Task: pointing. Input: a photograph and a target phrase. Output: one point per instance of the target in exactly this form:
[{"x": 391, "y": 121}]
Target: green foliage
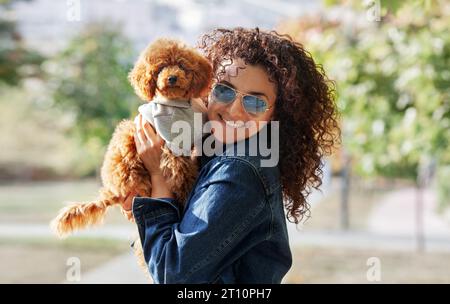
[
  {"x": 89, "y": 80},
  {"x": 387, "y": 6},
  {"x": 393, "y": 87},
  {"x": 7, "y": 3},
  {"x": 16, "y": 61}
]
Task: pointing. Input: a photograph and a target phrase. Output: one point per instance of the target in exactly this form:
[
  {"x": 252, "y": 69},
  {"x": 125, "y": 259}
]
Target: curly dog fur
[{"x": 122, "y": 171}]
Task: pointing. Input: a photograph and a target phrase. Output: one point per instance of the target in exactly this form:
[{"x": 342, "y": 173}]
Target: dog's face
[
  {"x": 174, "y": 81},
  {"x": 171, "y": 69}
]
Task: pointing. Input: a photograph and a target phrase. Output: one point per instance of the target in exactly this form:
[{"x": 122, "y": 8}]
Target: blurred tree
[
  {"x": 89, "y": 79},
  {"x": 386, "y": 6},
  {"x": 16, "y": 61}
]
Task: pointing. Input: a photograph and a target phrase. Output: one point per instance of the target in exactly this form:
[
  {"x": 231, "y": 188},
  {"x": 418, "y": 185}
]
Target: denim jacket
[{"x": 231, "y": 230}]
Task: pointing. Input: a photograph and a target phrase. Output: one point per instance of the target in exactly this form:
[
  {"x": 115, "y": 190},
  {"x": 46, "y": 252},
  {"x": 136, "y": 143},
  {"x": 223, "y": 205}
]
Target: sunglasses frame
[{"x": 242, "y": 98}]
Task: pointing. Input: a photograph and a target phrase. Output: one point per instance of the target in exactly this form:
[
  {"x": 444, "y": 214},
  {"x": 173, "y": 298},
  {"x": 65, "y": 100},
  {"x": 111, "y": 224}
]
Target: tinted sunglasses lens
[
  {"x": 223, "y": 93},
  {"x": 254, "y": 104}
]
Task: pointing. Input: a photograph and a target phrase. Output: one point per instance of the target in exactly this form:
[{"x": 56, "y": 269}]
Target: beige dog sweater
[{"x": 174, "y": 121}]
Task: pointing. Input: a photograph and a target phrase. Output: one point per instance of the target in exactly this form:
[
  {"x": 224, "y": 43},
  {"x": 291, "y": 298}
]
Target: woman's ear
[
  {"x": 142, "y": 80},
  {"x": 201, "y": 80}
]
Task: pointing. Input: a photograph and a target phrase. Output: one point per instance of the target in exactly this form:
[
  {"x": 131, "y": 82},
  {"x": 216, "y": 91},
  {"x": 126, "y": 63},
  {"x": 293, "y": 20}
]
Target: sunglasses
[{"x": 252, "y": 104}]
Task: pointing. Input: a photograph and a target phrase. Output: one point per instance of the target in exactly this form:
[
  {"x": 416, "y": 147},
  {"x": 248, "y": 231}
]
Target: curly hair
[{"x": 305, "y": 105}]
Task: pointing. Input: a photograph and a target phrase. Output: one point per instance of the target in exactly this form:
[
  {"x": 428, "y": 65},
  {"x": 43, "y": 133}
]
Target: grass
[
  {"x": 39, "y": 202},
  {"x": 44, "y": 260},
  {"x": 343, "y": 265}
]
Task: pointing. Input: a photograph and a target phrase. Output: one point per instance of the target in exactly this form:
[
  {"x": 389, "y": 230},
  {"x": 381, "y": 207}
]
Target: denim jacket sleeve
[{"x": 222, "y": 210}]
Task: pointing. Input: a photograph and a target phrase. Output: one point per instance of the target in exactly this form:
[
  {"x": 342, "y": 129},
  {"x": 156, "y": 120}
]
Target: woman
[{"x": 232, "y": 229}]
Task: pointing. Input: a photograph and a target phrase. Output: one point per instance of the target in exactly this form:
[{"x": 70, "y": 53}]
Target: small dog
[{"x": 171, "y": 77}]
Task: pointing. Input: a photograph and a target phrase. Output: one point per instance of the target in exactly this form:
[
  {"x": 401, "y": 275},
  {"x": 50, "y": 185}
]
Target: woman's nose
[{"x": 237, "y": 110}]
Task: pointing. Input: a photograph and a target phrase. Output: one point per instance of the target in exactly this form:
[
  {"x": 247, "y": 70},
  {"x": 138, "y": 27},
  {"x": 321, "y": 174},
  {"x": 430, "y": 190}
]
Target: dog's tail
[{"x": 81, "y": 215}]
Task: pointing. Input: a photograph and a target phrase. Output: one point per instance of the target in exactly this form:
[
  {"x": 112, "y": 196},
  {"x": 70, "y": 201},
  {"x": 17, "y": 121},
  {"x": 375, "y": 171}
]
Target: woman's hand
[{"x": 148, "y": 146}]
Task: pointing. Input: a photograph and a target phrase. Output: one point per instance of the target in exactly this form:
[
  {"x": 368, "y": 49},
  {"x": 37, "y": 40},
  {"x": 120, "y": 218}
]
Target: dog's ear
[
  {"x": 202, "y": 76},
  {"x": 142, "y": 80}
]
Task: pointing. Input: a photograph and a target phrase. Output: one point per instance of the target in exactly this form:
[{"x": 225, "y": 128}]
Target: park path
[
  {"x": 122, "y": 269},
  {"x": 396, "y": 215},
  {"x": 23, "y": 230}
]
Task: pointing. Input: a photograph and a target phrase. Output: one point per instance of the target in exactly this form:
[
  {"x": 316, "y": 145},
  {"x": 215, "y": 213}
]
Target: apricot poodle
[{"x": 171, "y": 77}]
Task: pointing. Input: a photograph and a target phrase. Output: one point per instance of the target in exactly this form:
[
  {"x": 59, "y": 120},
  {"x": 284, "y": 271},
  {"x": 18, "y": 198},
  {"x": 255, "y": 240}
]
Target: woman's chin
[{"x": 227, "y": 135}]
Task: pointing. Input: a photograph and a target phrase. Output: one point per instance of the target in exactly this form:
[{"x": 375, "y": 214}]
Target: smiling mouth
[{"x": 233, "y": 124}]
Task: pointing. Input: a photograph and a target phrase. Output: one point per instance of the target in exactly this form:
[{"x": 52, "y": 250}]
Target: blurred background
[{"x": 383, "y": 215}]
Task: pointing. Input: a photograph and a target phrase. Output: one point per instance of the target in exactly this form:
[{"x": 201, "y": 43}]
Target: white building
[{"x": 47, "y": 24}]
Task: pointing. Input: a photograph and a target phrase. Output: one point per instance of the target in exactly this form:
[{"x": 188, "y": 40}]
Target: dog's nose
[{"x": 172, "y": 79}]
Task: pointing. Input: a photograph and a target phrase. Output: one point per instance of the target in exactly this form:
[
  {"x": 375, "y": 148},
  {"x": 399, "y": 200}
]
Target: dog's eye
[
  {"x": 160, "y": 69},
  {"x": 183, "y": 65}
]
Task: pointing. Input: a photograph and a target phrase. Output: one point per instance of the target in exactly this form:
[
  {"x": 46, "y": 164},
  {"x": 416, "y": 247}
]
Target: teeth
[{"x": 234, "y": 124}]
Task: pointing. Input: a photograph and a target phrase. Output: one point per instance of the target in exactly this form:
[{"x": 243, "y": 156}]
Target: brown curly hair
[{"x": 305, "y": 105}]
